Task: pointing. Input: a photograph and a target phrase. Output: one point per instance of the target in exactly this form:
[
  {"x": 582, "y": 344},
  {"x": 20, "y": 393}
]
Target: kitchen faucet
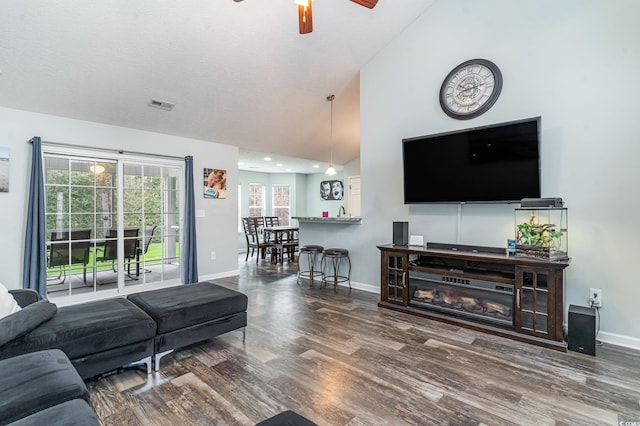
[{"x": 341, "y": 211}]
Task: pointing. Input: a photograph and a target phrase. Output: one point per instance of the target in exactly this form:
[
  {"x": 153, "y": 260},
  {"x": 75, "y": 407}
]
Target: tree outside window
[
  {"x": 256, "y": 200},
  {"x": 281, "y": 203}
]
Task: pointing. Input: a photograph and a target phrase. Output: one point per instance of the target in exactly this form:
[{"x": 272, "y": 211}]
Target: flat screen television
[{"x": 499, "y": 163}]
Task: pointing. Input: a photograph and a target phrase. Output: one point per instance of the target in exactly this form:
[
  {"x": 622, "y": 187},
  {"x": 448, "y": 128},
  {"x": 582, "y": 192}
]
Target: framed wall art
[
  {"x": 331, "y": 190},
  {"x": 215, "y": 183}
]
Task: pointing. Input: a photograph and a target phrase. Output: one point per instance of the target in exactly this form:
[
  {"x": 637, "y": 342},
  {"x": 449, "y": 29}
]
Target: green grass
[{"x": 152, "y": 257}]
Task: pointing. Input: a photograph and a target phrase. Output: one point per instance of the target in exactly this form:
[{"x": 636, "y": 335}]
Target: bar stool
[
  {"x": 310, "y": 252},
  {"x": 335, "y": 256}
]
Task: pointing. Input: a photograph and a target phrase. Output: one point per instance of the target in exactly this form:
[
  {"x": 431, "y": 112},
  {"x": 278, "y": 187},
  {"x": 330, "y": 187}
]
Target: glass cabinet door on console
[
  {"x": 536, "y": 301},
  {"x": 394, "y": 277}
]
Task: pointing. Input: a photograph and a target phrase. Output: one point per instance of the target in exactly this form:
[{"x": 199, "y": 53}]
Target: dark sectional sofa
[
  {"x": 46, "y": 352},
  {"x": 102, "y": 336},
  {"x": 43, "y": 388}
]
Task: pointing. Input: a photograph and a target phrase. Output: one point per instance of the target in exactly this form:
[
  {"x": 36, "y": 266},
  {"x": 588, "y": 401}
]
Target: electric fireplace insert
[{"x": 474, "y": 299}]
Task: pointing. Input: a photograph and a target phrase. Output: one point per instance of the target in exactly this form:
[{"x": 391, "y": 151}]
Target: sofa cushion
[
  {"x": 71, "y": 413},
  {"x": 179, "y": 307},
  {"x": 36, "y": 381},
  {"x": 8, "y": 304},
  {"x": 20, "y": 323},
  {"x": 87, "y": 328}
]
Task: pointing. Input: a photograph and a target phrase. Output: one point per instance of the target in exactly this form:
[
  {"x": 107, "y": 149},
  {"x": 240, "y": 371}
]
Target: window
[
  {"x": 239, "y": 208},
  {"x": 111, "y": 221},
  {"x": 256, "y": 200},
  {"x": 281, "y": 203}
]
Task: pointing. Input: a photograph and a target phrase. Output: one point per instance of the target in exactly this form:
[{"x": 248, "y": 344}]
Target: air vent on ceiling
[{"x": 168, "y": 106}]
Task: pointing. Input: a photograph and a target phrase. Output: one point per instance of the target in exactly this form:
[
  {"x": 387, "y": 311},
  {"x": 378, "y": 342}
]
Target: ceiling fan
[{"x": 305, "y": 20}]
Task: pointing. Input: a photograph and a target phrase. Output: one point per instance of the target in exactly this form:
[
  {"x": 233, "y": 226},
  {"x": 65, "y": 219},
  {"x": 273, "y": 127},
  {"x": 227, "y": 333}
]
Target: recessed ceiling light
[
  {"x": 267, "y": 158},
  {"x": 288, "y": 170},
  {"x": 316, "y": 166},
  {"x": 279, "y": 164},
  {"x": 240, "y": 163}
]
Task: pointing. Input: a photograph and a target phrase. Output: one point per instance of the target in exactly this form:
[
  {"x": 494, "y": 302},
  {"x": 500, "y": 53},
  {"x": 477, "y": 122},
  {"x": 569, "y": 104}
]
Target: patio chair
[
  {"x": 145, "y": 242},
  {"x": 131, "y": 243},
  {"x": 71, "y": 248}
]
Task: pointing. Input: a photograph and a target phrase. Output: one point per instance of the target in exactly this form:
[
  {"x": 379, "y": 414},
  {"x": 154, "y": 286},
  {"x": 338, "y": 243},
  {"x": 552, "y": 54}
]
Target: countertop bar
[{"x": 318, "y": 219}]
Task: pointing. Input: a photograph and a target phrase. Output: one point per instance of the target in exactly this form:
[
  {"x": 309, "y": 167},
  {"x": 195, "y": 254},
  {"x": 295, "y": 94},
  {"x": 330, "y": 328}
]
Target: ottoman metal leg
[
  {"x": 156, "y": 359},
  {"x": 146, "y": 361}
]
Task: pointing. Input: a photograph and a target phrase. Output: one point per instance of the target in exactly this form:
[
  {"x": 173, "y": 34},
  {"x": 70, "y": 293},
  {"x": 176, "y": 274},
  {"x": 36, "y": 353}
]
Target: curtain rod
[{"x": 115, "y": 151}]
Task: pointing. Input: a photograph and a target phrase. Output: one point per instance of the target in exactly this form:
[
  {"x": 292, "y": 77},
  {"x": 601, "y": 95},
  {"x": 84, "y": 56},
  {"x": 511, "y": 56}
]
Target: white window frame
[{"x": 120, "y": 158}]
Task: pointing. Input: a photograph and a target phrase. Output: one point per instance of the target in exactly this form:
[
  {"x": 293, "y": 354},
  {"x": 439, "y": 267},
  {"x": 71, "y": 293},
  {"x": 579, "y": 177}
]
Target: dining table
[{"x": 283, "y": 239}]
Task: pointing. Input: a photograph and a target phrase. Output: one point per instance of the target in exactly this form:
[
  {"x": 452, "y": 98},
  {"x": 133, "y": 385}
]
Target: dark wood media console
[{"x": 478, "y": 288}]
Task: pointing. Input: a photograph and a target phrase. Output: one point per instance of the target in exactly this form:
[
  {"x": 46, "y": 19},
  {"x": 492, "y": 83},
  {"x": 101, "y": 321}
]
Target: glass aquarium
[{"x": 542, "y": 233}]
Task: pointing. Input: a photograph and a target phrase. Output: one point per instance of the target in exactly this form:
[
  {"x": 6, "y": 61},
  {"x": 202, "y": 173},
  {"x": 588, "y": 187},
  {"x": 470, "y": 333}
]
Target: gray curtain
[
  {"x": 34, "y": 269},
  {"x": 189, "y": 250}
]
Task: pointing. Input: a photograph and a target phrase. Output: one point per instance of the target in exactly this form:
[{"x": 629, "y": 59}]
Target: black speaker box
[
  {"x": 400, "y": 233},
  {"x": 582, "y": 329}
]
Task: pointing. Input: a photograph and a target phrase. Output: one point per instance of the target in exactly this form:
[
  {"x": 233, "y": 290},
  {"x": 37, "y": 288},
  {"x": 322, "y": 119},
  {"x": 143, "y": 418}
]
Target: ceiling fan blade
[
  {"x": 305, "y": 21},
  {"x": 366, "y": 3}
]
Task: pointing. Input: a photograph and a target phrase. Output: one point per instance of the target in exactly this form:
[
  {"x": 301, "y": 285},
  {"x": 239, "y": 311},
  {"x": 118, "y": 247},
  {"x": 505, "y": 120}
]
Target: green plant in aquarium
[{"x": 538, "y": 234}]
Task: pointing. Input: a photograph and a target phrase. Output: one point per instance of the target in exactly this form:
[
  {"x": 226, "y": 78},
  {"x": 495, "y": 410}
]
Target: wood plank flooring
[{"x": 338, "y": 359}]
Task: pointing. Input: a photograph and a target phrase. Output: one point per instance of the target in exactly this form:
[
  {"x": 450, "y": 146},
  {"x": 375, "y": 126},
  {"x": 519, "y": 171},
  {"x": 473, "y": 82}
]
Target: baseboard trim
[
  {"x": 619, "y": 340},
  {"x": 225, "y": 274},
  {"x": 361, "y": 286}
]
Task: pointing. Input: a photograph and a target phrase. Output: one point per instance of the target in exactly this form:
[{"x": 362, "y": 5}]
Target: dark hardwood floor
[{"x": 338, "y": 359}]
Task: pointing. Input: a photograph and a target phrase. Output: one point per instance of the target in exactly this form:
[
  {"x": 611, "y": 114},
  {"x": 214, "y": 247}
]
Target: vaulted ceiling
[{"x": 238, "y": 73}]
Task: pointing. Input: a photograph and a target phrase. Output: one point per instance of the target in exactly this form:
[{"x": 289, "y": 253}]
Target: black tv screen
[{"x": 499, "y": 163}]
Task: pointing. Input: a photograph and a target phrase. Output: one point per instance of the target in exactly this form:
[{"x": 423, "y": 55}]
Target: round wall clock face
[{"x": 470, "y": 89}]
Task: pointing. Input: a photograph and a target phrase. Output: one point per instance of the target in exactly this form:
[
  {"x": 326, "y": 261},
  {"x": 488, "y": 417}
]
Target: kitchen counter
[{"x": 319, "y": 219}]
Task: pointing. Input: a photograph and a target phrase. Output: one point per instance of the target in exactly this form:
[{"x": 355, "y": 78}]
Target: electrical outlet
[
  {"x": 595, "y": 297},
  {"x": 213, "y": 255}
]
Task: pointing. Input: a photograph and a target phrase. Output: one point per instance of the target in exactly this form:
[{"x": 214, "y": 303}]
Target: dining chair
[
  {"x": 271, "y": 221},
  {"x": 255, "y": 237}
]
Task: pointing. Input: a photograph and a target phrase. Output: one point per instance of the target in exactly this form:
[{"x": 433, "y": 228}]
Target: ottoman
[
  {"x": 36, "y": 381},
  {"x": 191, "y": 313}
]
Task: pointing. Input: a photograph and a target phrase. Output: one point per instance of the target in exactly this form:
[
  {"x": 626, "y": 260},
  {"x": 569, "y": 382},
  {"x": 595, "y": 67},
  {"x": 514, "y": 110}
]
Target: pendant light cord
[{"x": 330, "y": 98}]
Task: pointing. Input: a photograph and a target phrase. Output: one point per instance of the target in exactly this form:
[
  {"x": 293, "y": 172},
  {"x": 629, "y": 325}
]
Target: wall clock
[{"x": 470, "y": 89}]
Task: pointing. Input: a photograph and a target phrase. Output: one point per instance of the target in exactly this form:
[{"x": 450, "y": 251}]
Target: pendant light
[{"x": 331, "y": 170}]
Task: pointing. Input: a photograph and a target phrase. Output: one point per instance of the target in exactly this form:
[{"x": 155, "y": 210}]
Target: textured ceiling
[{"x": 238, "y": 73}]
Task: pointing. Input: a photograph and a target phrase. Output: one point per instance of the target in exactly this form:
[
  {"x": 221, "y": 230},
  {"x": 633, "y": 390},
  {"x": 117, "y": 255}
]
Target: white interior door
[{"x": 354, "y": 196}]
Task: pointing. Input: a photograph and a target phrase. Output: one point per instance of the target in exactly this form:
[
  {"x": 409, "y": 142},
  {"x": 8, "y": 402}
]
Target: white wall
[
  {"x": 573, "y": 62},
  {"x": 18, "y": 127}
]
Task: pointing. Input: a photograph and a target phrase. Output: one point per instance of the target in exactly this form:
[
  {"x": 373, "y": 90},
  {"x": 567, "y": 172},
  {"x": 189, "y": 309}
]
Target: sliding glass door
[{"x": 112, "y": 222}]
